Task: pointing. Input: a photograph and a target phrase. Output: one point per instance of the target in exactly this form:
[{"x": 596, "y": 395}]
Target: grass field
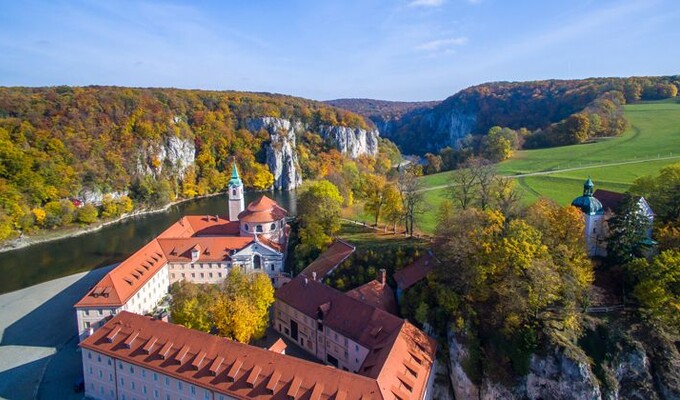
[{"x": 654, "y": 134}]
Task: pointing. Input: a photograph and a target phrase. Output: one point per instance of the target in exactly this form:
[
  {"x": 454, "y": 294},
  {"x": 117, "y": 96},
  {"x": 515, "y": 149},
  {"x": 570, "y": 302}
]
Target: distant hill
[{"x": 539, "y": 106}]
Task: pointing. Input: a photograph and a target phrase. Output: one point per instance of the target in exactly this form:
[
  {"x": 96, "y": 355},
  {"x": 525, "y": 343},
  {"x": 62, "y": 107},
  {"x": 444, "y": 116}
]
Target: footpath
[{"x": 39, "y": 357}]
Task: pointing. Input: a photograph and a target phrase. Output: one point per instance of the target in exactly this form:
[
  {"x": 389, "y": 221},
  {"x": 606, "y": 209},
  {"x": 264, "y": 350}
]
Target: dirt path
[{"x": 557, "y": 171}]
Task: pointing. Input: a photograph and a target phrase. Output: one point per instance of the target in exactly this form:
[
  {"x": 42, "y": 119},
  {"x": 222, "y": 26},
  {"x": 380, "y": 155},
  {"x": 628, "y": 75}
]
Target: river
[{"x": 50, "y": 260}]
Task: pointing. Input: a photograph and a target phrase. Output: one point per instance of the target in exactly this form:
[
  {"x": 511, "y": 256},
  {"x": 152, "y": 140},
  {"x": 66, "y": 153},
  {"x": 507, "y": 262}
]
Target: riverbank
[
  {"x": 39, "y": 357},
  {"x": 74, "y": 231}
]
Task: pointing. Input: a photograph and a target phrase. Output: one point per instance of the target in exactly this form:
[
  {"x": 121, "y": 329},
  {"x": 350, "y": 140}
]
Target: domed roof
[
  {"x": 263, "y": 209},
  {"x": 587, "y": 203}
]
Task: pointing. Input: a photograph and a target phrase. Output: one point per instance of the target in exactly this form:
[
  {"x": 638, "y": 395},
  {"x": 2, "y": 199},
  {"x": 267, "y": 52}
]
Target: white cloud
[
  {"x": 426, "y": 3},
  {"x": 442, "y": 44}
]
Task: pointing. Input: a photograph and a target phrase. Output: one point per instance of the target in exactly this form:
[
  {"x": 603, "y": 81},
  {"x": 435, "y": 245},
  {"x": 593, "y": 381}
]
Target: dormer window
[{"x": 194, "y": 254}]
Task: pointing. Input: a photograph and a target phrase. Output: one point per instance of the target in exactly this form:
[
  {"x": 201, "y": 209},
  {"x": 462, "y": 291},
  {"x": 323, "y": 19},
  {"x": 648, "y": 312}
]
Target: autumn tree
[
  {"x": 662, "y": 192},
  {"x": 87, "y": 214},
  {"x": 375, "y": 196},
  {"x": 657, "y": 287},
  {"x": 412, "y": 198},
  {"x": 319, "y": 208},
  {"x": 241, "y": 308},
  {"x": 190, "y": 305}
]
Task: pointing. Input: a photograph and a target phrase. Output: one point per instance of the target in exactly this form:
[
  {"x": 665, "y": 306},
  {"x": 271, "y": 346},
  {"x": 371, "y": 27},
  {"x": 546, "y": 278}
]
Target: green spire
[
  {"x": 235, "y": 179},
  {"x": 588, "y": 187}
]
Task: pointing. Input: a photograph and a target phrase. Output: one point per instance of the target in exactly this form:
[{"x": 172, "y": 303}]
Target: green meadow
[{"x": 651, "y": 142}]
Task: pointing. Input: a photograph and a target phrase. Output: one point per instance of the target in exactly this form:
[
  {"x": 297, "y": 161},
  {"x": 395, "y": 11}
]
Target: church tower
[
  {"x": 593, "y": 213},
  {"x": 236, "y": 201}
]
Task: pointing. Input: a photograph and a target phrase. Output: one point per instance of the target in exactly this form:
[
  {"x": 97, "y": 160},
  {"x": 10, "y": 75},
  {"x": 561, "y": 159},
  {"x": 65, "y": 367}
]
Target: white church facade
[{"x": 197, "y": 248}]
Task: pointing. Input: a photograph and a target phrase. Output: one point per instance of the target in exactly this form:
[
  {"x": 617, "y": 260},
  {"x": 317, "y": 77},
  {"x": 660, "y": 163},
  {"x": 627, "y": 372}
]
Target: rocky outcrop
[
  {"x": 96, "y": 196},
  {"x": 463, "y": 388},
  {"x": 558, "y": 376},
  {"x": 352, "y": 142},
  {"x": 281, "y": 155},
  {"x": 174, "y": 153}
]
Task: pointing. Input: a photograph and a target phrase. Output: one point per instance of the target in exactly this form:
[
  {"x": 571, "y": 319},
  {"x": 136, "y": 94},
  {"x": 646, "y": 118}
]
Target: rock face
[
  {"x": 352, "y": 142},
  {"x": 636, "y": 372},
  {"x": 556, "y": 376},
  {"x": 282, "y": 158},
  {"x": 281, "y": 154},
  {"x": 174, "y": 153}
]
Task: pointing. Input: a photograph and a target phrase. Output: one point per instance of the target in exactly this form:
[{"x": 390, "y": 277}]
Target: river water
[{"x": 46, "y": 261}]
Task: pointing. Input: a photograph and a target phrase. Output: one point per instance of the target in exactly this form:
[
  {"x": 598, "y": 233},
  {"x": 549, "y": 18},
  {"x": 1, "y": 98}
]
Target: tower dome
[{"x": 587, "y": 203}]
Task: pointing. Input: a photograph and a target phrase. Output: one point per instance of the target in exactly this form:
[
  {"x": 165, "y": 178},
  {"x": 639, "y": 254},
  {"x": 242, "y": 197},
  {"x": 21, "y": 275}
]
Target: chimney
[
  {"x": 382, "y": 276},
  {"x": 313, "y": 275}
]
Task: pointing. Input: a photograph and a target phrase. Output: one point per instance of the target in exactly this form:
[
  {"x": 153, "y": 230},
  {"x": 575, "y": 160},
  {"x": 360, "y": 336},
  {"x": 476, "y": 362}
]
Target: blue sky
[{"x": 324, "y": 49}]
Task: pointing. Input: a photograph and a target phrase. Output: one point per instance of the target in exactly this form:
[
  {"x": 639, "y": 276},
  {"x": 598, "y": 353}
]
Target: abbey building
[{"x": 197, "y": 248}]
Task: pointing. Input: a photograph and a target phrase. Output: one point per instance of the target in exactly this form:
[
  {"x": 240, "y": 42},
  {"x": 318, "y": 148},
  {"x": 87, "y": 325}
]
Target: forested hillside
[
  {"x": 115, "y": 148},
  {"x": 554, "y": 112}
]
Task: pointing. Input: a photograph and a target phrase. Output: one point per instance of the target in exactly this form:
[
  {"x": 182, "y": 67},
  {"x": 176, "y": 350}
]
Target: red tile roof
[
  {"x": 263, "y": 209},
  {"x": 376, "y": 294},
  {"x": 609, "y": 200},
  {"x": 336, "y": 253},
  {"x": 122, "y": 282},
  {"x": 211, "y": 248},
  {"x": 228, "y": 367},
  {"x": 392, "y": 341},
  {"x": 415, "y": 272}
]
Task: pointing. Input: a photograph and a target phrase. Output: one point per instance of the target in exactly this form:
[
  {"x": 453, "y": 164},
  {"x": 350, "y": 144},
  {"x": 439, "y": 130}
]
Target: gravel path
[{"x": 38, "y": 344}]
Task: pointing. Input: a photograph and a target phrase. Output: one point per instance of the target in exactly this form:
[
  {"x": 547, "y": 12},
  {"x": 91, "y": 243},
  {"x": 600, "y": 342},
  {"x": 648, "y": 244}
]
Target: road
[
  {"x": 557, "y": 171},
  {"x": 38, "y": 343}
]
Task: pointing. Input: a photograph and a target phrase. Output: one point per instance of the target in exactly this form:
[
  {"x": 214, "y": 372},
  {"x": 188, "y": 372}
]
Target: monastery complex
[{"x": 365, "y": 351}]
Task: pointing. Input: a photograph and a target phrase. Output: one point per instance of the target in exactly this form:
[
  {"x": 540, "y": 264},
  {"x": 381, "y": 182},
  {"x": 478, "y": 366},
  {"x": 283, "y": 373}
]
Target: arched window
[
  {"x": 233, "y": 192},
  {"x": 273, "y": 227},
  {"x": 259, "y": 228},
  {"x": 246, "y": 226},
  {"x": 257, "y": 261}
]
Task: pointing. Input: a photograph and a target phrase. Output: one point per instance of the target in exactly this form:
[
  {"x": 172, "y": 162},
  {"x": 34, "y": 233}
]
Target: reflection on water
[{"x": 43, "y": 262}]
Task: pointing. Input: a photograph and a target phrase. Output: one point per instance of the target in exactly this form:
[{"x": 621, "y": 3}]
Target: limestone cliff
[
  {"x": 623, "y": 363},
  {"x": 173, "y": 154},
  {"x": 280, "y": 151},
  {"x": 352, "y": 142}
]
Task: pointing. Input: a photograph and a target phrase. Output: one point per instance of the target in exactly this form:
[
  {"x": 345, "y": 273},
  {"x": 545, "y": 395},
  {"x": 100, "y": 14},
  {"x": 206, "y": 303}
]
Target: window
[
  {"x": 155, "y": 393},
  {"x": 132, "y": 370},
  {"x": 179, "y": 385},
  {"x": 210, "y": 274},
  {"x": 101, "y": 374},
  {"x": 233, "y": 192},
  {"x": 202, "y": 274},
  {"x": 272, "y": 267},
  {"x": 89, "y": 355},
  {"x": 356, "y": 347},
  {"x": 120, "y": 365},
  {"x": 143, "y": 373},
  {"x": 167, "y": 381},
  {"x": 257, "y": 261},
  {"x": 87, "y": 313},
  {"x": 155, "y": 377},
  {"x": 123, "y": 397},
  {"x": 108, "y": 361},
  {"x": 258, "y": 228},
  {"x": 193, "y": 389},
  {"x": 246, "y": 226},
  {"x": 110, "y": 377},
  {"x": 132, "y": 385},
  {"x": 100, "y": 312},
  {"x": 87, "y": 326},
  {"x": 272, "y": 227},
  {"x": 144, "y": 389},
  {"x": 90, "y": 370},
  {"x": 122, "y": 381}
]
